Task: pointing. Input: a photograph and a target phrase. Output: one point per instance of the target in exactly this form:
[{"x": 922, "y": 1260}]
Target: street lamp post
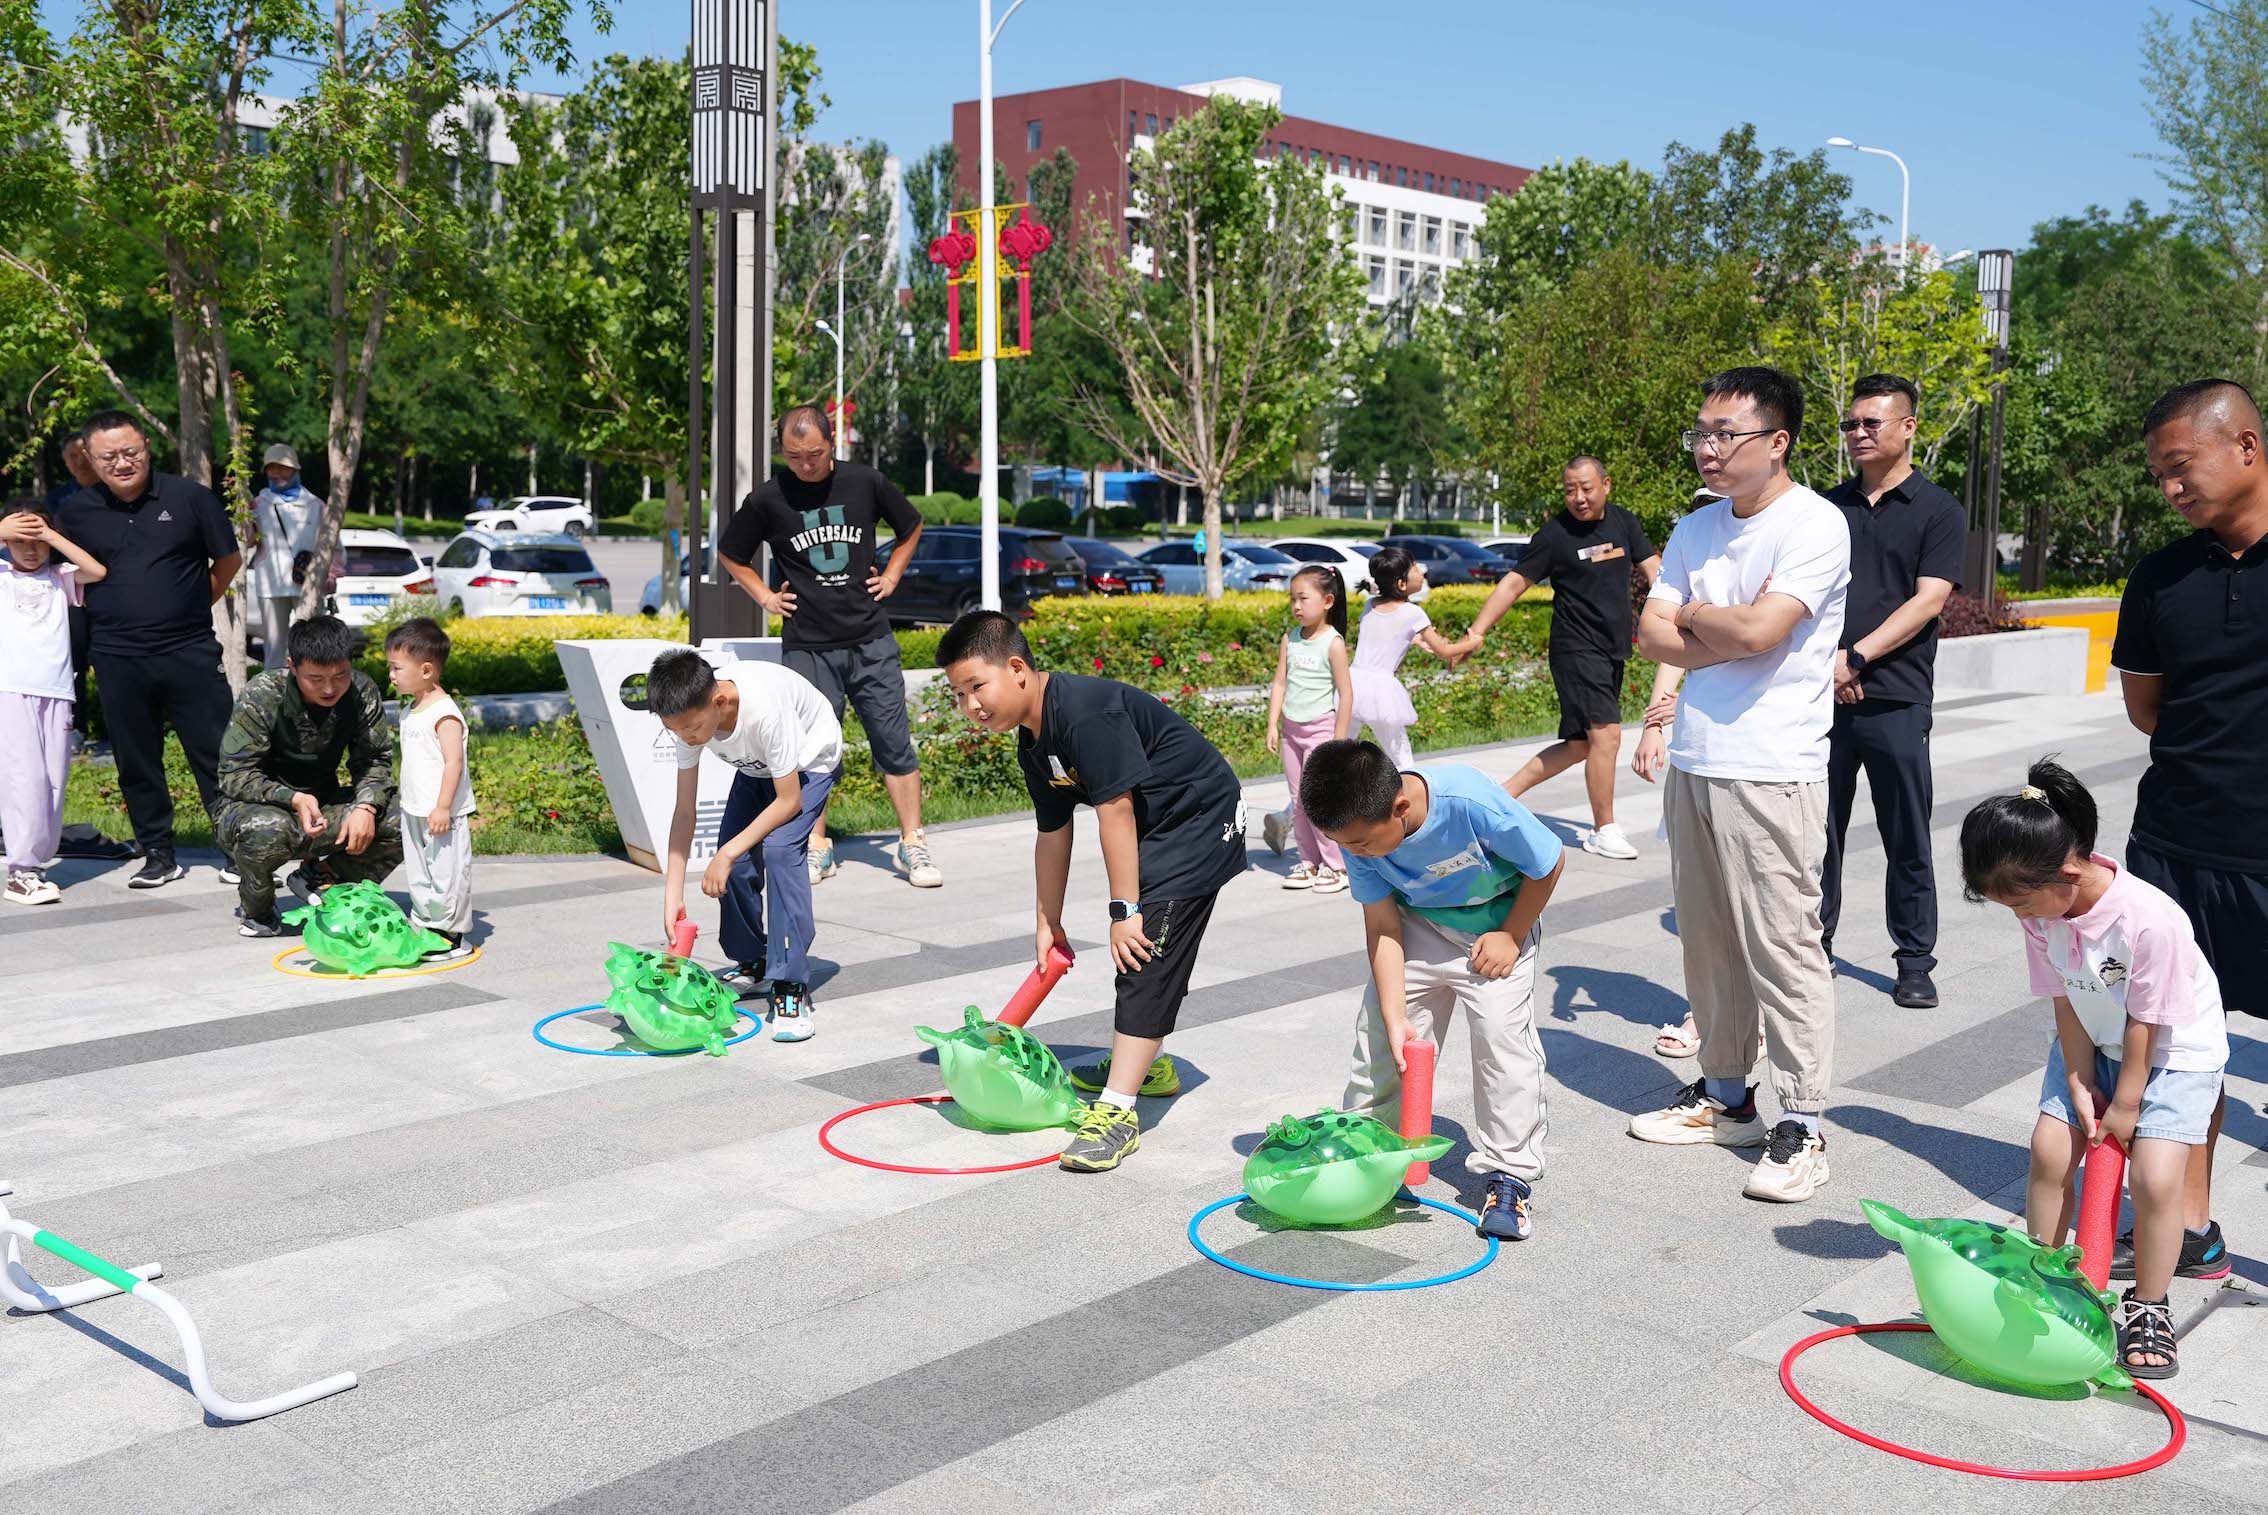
[
  {"x": 842, "y": 431},
  {"x": 1905, "y": 190},
  {"x": 988, "y": 313}
]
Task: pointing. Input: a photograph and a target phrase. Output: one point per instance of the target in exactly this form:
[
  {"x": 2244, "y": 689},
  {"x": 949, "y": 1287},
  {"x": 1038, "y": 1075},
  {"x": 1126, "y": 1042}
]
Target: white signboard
[{"x": 637, "y": 757}]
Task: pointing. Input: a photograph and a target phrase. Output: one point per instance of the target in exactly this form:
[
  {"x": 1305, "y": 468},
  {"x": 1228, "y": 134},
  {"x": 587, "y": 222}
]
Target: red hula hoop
[
  {"x": 2159, "y": 1458},
  {"x": 919, "y": 1099}
]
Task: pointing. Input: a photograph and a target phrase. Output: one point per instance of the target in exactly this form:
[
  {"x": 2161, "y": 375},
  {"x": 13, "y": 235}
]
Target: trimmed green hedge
[{"x": 516, "y": 654}]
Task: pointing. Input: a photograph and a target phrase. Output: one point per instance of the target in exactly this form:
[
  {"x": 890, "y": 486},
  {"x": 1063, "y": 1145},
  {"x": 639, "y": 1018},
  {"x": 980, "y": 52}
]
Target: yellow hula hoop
[{"x": 348, "y": 978}]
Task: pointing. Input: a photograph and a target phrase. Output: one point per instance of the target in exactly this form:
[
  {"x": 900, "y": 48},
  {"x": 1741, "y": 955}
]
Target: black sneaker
[
  {"x": 1105, "y": 1136},
  {"x": 270, "y": 924},
  {"x": 457, "y": 948},
  {"x": 309, "y": 880},
  {"x": 2203, "y": 1255},
  {"x": 1504, "y": 1209},
  {"x": 158, "y": 870},
  {"x": 1914, "y": 991}
]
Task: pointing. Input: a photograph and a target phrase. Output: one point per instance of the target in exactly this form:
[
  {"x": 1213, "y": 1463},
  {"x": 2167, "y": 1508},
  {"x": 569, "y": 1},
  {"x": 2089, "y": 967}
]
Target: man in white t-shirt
[
  {"x": 1750, "y": 602},
  {"x": 781, "y": 734}
]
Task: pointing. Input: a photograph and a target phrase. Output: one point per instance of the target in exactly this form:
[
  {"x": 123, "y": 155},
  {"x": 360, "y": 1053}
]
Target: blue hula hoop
[
  {"x": 624, "y": 1051},
  {"x": 1466, "y": 1271}
]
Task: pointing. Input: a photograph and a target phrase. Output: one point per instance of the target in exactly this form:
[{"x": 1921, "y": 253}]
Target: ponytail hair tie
[{"x": 2033, "y": 792}]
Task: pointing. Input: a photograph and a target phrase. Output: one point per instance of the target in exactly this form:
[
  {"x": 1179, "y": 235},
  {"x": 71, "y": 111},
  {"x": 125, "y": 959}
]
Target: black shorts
[
  {"x": 874, "y": 680},
  {"x": 1149, "y": 1002},
  {"x": 1590, "y": 692},
  {"x": 2229, "y": 912}
]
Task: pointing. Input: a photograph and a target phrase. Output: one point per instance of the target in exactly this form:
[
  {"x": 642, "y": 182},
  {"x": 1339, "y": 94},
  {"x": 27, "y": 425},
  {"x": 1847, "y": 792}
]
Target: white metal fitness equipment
[{"x": 20, "y": 1289}]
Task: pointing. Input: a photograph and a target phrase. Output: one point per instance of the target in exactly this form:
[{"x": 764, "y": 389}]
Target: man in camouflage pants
[{"x": 279, "y": 777}]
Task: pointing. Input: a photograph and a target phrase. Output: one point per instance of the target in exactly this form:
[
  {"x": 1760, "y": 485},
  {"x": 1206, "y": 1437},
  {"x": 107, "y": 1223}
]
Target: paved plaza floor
[{"x": 593, "y": 1284}]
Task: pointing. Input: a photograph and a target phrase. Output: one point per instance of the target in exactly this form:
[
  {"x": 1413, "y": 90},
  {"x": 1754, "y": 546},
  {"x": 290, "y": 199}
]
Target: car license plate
[
  {"x": 366, "y": 599},
  {"x": 547, "y": 601},
  {"x": 1140, "y": 586},
  {"x": 1066, "y": 581}
]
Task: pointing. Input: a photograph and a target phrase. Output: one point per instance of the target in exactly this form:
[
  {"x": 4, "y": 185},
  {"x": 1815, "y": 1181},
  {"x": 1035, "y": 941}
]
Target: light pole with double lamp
[{"x": 842, "y": 432}]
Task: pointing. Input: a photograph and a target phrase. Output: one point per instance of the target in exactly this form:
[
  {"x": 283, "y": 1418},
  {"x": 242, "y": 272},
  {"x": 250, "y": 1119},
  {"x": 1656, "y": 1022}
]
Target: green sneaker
[
  {"x": 1105, "y": 1135},
  {"x": 1163, "y": 1079}
]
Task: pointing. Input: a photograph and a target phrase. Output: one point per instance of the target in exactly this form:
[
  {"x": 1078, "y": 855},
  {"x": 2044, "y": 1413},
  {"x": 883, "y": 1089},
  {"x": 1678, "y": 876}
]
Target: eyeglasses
[
  {"x": 1872, "y": 424},
  {"x": 1721, "y": 441},
  {"x": 123, "y": 455}
]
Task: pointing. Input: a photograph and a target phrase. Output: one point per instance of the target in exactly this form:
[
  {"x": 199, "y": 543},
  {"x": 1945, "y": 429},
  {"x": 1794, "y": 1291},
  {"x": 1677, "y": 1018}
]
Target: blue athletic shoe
[{"x": 1504, "y": 1211}]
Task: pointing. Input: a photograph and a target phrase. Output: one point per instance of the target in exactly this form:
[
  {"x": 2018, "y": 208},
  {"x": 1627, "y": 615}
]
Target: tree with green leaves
[
  {"x": 1399, "y": 425},
  {"x": 1225, "y": 327}
]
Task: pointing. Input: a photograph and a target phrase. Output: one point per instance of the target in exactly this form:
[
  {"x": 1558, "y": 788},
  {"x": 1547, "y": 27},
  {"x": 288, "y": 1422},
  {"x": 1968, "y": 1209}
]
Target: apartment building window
[
  {"x": 1376, "y": 268},
  {"x": 1402, "y": 178},
  {"x": 1377, "y": 226},
  {"x": 1031, "y": 136},
  {"x": 1433, "y": 236},
  {"x": 1371, "y": 172},
  {"x": 1405, "y": 231},
  {"x": 1455, "y": 188},
  {"x": 1346, "y": 166},
  {"x": 1403, "y": 278},
  {"x": 1460, "y": 239},
  {"x": 1133, "y": 127},
  {"x": 1150, "y": 123},
  {"x": 1429, "y": 286},
  {"x": 1429, "y": 181}
]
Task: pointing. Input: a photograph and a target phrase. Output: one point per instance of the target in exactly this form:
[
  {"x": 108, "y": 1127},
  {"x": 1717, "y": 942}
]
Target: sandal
[
  {"x": 1678, "y": 1041},
  {"x": 2146, "y": 1327}
]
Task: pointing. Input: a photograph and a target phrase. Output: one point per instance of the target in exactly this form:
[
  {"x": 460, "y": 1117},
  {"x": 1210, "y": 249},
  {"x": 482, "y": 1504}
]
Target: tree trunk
[
  {"x": 1212, "y": 541},
  {"x": 531, "y": 468},
  {"x": 673, "y": 521}
]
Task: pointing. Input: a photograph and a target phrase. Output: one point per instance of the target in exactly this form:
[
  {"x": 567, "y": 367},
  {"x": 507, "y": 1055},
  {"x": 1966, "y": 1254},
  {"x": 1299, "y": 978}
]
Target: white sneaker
[
  {"x": 1794, "y": 1165},
  {"x": 1302, "y": 876},
  {"x": 1694, "y": 1120},
  {"x": 1608, "y": 841},
  {"x": 28, "y": 886},
  {"x": 1275, "y": 830},
  {"x": 912, "y": 856},
  {"x": 820, "y": 865},
  {"x": 1329, "y": 882}
]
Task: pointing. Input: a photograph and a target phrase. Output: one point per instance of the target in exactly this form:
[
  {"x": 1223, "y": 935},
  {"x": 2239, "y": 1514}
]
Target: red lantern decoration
[{"x": 1016, "y": 243}]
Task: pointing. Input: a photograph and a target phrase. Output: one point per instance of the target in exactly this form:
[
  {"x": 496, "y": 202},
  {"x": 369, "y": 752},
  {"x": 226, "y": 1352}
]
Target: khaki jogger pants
[
  {"x": 1509, "y": 1114},
  {"x": 1744, "y": 871}
]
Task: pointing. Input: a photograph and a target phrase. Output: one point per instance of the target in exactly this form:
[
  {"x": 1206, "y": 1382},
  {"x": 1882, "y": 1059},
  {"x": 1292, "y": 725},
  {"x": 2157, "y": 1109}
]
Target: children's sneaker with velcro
[
  {"x": 1504, "y": 1209},
  {"x": 1693, "y": 1119},
  {"x": 1105, "y": 1136},
  {"x": 791, "y": 1012},
  {"x": 1793, "y": 1167},
  {"x": 1162, "y": 1079},
  {"x": 2203, "y": 1255}
]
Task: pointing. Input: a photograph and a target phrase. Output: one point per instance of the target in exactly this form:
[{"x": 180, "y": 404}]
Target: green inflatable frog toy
[
  {"x": 2006, "y": 1304},
  {"x": 1003, "y": 1076},
  {"x": 1332, "y": 1168},
  {"x": 670, "y": 1003},
  {"x": 358, "y": 929}
]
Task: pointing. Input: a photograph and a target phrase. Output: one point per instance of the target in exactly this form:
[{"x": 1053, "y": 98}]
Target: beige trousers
[
  {"x": 1509, "y": 1113},
  {"x": 1744, "y": 871}
]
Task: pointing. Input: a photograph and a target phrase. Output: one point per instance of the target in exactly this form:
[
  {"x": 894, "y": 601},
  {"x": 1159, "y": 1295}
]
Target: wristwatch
[
  {"x": 1854, "y": 660},
  {"x": 1123, "y": 909}
]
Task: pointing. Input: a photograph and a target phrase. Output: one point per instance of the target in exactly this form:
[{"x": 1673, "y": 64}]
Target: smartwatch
[
  {"x": 1122, "y": 909},
  {"x": 1855, "y": 660}
]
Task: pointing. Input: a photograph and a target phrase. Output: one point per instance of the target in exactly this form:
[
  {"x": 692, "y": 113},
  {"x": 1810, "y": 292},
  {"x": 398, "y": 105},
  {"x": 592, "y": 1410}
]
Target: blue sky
[{"x": 2006, "y": 111}]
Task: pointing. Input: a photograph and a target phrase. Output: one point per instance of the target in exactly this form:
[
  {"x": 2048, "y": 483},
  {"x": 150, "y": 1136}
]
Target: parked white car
[
  {"x": 536, "y": 513},
  {"x": 485, "y": 573},
  {"x": 376, "y": 568},
  {"x": 1350, "y": 556}
]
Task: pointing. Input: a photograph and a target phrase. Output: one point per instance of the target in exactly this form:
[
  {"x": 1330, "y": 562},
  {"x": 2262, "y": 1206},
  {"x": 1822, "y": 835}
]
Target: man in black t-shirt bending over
[
  {"x": 1170, "y": 815},
  {"x": 818, "y": 515},
  {"x": 1587, "y": 552}
]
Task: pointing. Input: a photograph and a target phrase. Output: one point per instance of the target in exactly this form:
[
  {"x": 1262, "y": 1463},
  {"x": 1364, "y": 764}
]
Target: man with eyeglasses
[
  {"x": 1906, "y": 538},
  {"x": 1750, "y": 603},
  {"x": 171, "y": 552}
]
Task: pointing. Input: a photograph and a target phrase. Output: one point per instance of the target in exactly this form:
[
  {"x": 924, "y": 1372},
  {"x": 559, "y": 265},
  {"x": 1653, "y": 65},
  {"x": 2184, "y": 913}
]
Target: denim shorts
[{"x": 2177, "y": 1103}]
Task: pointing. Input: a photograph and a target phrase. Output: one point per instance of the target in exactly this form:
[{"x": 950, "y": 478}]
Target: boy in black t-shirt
[
  {"x": 1171, "y": 814},
  {"x": 1587, "y": 551}
]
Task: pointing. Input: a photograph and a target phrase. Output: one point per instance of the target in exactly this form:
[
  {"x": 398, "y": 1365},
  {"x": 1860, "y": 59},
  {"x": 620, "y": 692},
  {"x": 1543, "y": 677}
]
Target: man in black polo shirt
[
  {"x": 171, "y": 554},
  {"x": 2192, "y": 661},
  {"x": 819, "y": 515},
  {"x": 1906, "y": 536},
  {"x": 1587, "y": 552}
]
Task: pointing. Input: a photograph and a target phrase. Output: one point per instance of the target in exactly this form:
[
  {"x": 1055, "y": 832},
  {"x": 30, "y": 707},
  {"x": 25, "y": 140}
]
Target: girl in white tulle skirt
[{"x": 1389, "y": 626}]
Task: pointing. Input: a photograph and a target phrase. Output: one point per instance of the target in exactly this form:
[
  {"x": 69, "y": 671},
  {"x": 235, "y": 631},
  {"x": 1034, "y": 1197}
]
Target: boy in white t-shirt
[
  {"x": 1750, "y": 602},
  {"x": 36, "y": 596},
  {"x": 778, "y": 730},
  {"x": 436, "y": 786},
  {"x": 2138, "y": 1030}
]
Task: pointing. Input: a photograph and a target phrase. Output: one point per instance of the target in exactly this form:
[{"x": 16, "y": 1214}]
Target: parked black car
[
  {"x": 943, "y": 581},
  {"x": 1453, "y": 560},
  {"x": 1111, "y": 569}
]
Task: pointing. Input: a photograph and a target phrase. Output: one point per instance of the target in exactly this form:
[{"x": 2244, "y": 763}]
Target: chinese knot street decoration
[{"x": 1018, "y": 242}]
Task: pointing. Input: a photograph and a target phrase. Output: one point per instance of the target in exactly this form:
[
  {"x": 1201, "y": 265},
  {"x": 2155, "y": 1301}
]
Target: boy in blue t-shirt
[{"x": 1453, "y": 875}]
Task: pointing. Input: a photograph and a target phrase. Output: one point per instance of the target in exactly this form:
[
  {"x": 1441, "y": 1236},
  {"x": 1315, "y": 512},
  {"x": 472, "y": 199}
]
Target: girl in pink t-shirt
[
  {"x": 2138, "y": 1029},
  {"x": 36, "y": 594}
]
